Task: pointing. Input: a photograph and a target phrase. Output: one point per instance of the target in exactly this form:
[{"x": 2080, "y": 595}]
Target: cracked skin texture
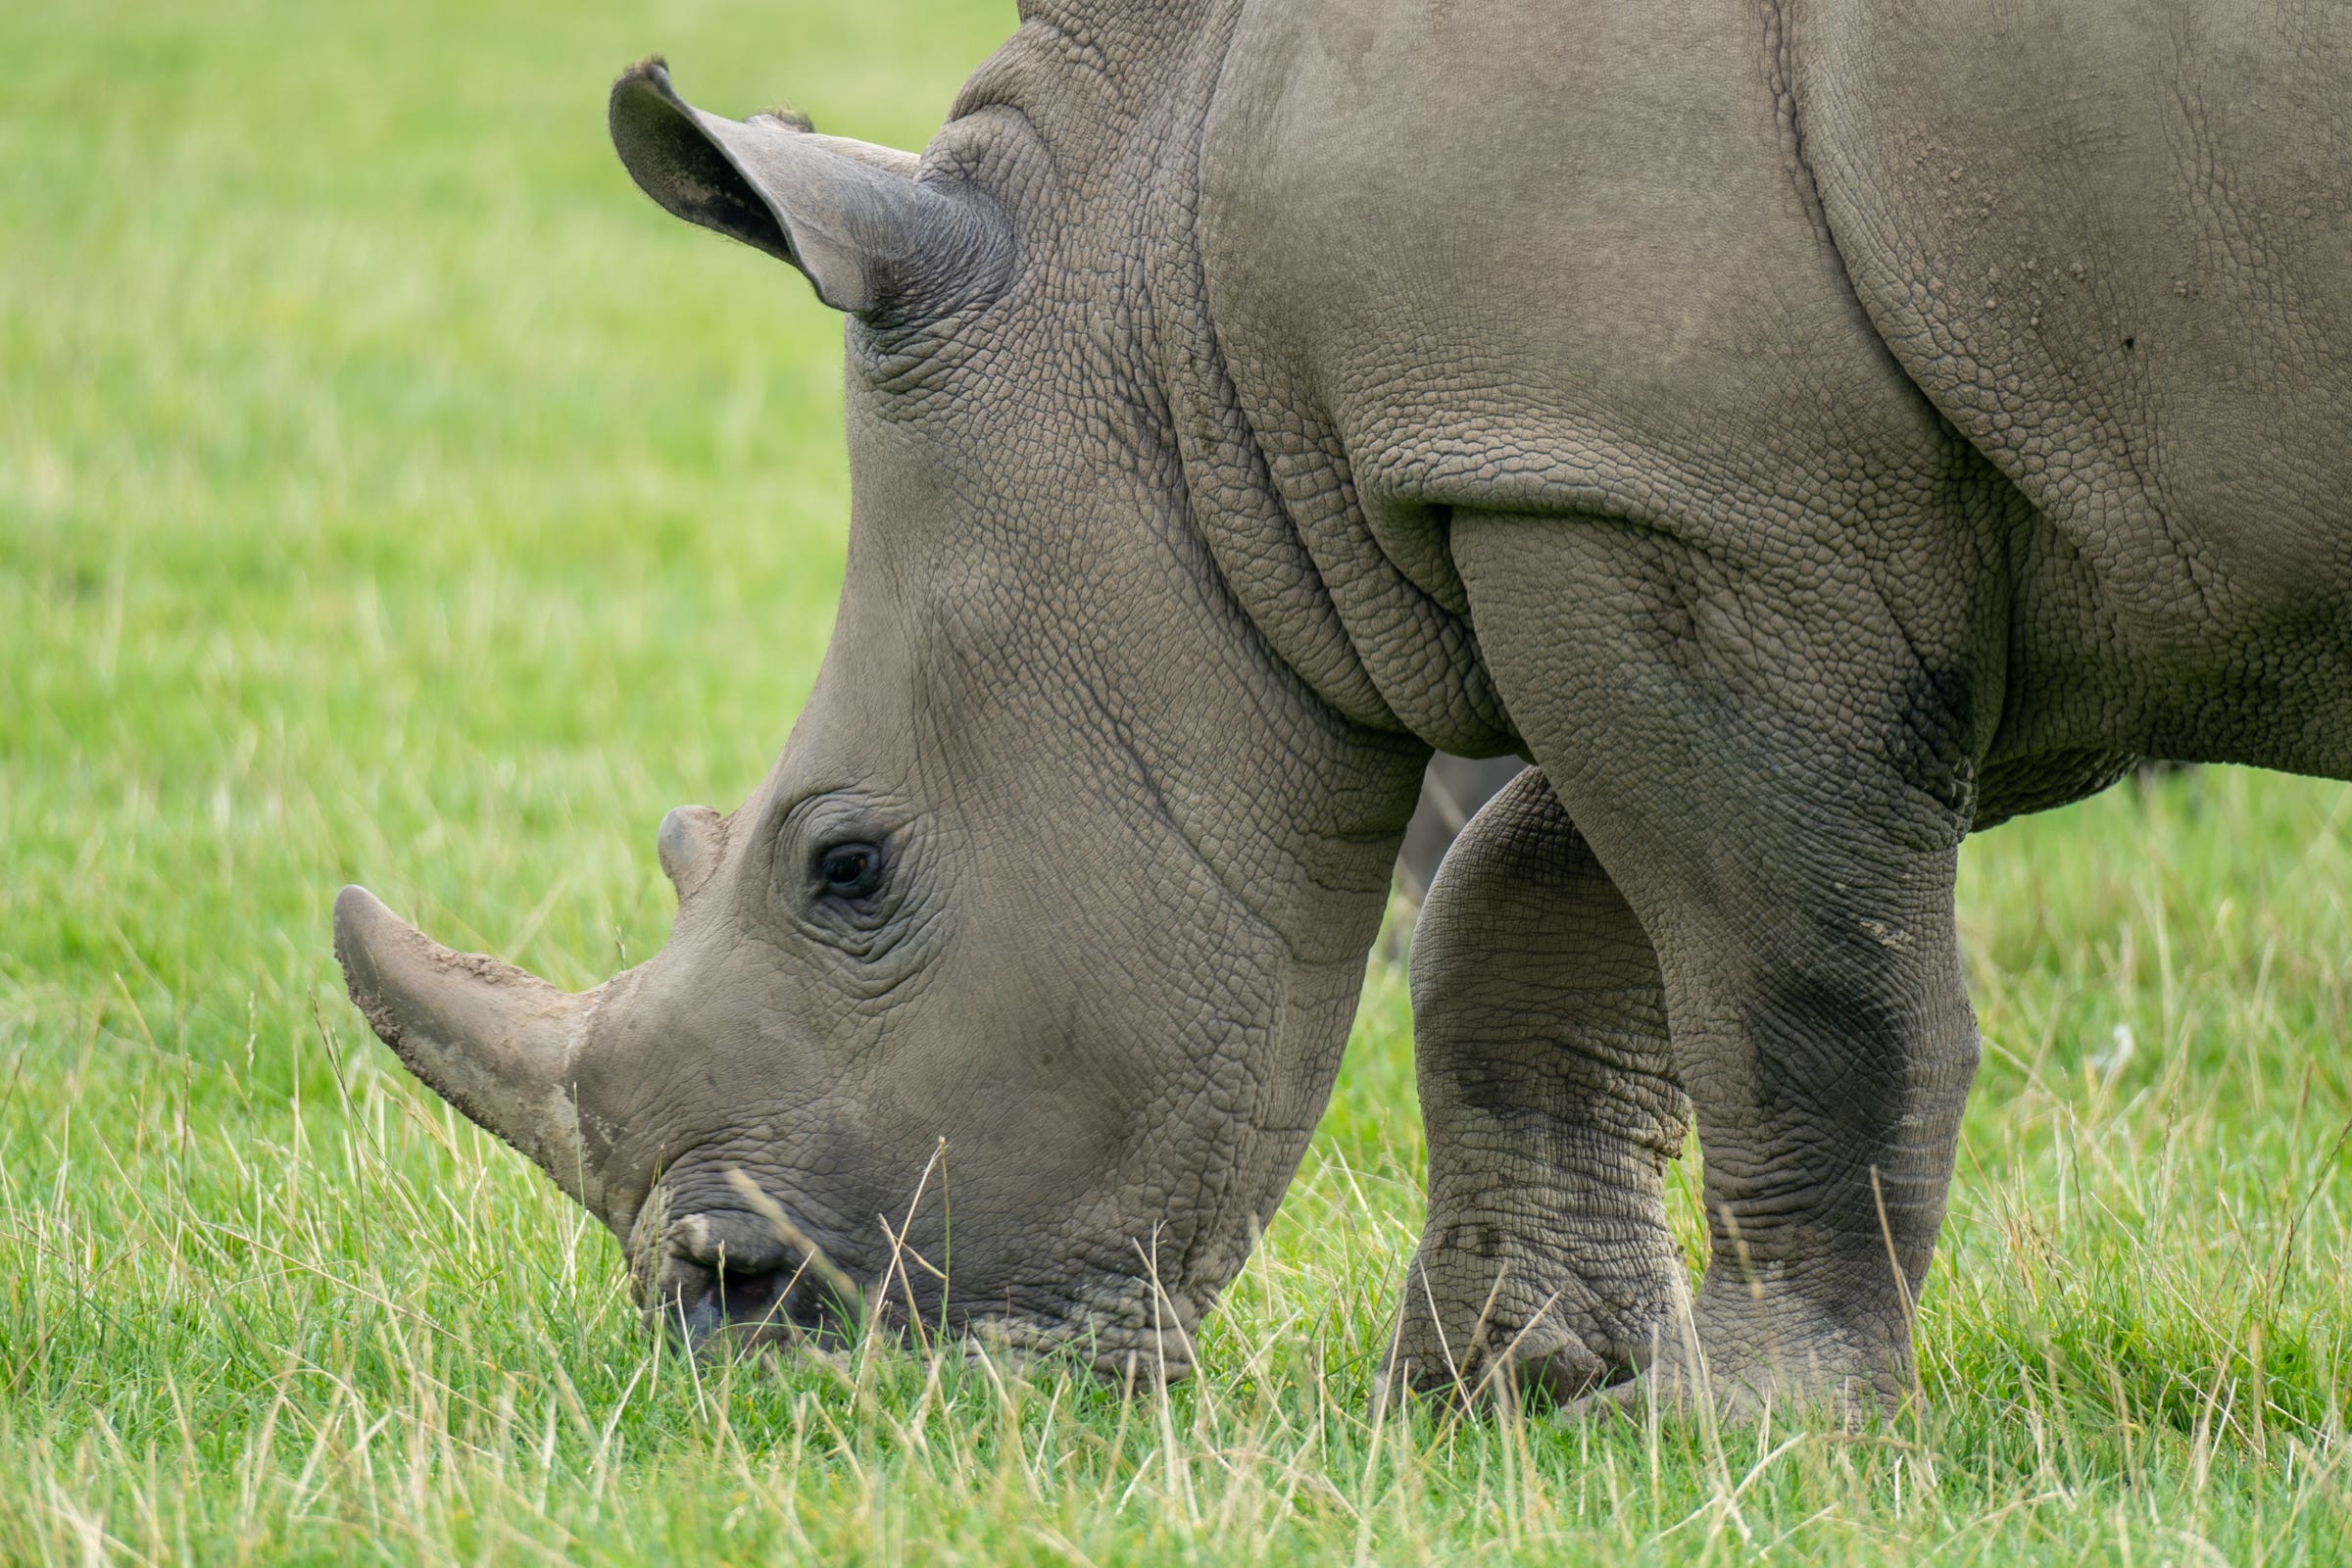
[{"x": 1808, "y": 431}]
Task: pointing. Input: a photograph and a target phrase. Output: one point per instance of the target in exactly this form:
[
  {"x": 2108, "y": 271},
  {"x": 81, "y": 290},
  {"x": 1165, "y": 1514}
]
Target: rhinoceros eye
[{"x": 849, "y": 870}]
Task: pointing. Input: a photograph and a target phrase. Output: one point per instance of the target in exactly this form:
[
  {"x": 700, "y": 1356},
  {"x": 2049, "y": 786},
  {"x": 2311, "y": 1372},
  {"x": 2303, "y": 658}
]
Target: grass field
[{"x": 387, "y": 492}]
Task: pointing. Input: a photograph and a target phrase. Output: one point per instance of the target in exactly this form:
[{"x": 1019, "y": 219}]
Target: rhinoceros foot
[{"x": 1738, "y": 1358}]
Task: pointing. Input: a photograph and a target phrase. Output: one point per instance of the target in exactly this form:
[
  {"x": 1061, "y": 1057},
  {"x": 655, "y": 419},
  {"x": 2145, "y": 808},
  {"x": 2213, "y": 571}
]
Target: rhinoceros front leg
[
  {"x": 1539, "y": 1042},
  {"x": 1771, "y": 751}
]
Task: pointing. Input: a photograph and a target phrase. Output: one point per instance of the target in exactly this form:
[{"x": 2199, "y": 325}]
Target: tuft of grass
[{"x": 387, "y": 491}]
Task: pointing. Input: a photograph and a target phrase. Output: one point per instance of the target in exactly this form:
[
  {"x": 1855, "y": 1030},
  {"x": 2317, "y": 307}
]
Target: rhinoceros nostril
[
  {"x": 776, "y": 1299},
  {"x": 750, "y": 1274},
  {"x": 753, "y": 1298}
]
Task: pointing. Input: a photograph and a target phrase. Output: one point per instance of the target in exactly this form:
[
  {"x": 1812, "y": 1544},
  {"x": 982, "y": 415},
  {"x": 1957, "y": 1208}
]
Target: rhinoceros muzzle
[{"x": 503, "y": 1047}]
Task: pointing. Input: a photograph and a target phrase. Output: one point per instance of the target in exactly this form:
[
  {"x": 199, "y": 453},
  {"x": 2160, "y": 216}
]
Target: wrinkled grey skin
[{"x": 1809, "y": 431}]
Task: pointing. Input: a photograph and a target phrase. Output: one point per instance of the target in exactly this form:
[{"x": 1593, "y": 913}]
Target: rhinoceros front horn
[{"x": 492, "y": 1040}]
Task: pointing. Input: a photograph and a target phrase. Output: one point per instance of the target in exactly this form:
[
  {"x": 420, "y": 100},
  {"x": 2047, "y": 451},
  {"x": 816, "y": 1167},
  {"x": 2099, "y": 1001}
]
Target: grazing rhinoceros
[{"x": 1808, "y": 431}]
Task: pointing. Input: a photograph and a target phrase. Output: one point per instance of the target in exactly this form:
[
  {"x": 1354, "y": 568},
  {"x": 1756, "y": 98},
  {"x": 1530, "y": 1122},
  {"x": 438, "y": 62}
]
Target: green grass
[{"x": 388, "y": 492}]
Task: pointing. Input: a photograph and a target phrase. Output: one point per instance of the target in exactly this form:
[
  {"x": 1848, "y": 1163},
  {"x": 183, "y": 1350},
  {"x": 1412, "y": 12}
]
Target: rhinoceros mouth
[
  {"x": 786, "y": 1303},
  {"x": 744, "y": 1274}
]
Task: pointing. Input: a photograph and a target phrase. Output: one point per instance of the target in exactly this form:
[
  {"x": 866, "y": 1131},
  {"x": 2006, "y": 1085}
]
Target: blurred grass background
[{"x": 388, "y": 492}]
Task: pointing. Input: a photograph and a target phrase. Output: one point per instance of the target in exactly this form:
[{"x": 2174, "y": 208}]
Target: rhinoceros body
[{"x": 1809, "y": 431}]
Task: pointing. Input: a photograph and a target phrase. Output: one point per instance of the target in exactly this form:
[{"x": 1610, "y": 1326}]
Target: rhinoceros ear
[{"x": 853, "y": 216}]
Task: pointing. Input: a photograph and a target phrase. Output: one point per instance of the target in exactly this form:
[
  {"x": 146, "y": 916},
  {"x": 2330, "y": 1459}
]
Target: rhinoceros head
[{"x": 1009, "y": 1000}]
